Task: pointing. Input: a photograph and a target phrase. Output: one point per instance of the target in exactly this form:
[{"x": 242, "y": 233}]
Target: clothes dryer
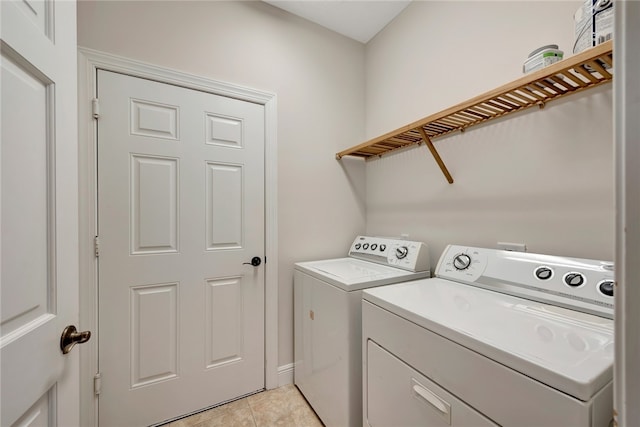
[
  {"x": 497, "y": 338},
  {"x": 327, "y": 320}
]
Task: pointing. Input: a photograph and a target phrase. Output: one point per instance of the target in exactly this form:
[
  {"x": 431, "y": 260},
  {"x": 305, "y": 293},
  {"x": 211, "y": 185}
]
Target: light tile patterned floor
[{"x": 284, "y": 407}]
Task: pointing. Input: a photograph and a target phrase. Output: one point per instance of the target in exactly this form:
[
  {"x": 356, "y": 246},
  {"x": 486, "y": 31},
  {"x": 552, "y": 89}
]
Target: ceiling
[{"x": 360, "y": 20}]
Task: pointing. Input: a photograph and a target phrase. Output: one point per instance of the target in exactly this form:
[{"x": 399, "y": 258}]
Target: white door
[
  {"x": 180, "y": 210},
  {"x": 39, "y": 204}
]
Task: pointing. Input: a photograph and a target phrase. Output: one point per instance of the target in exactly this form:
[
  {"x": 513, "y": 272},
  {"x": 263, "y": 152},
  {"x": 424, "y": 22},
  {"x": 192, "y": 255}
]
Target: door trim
[
  {"x": 626, "y": 91},
  {"x": 89, "y": 61}
]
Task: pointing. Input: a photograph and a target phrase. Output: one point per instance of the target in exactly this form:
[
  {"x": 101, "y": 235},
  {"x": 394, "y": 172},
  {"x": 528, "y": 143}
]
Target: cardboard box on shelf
[{"x": 593, "y": 24}]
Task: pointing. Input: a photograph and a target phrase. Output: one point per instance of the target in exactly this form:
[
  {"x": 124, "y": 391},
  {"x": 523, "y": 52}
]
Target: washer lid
[
  {"x": 565, "y": 349},
  {"x": 353, "y": 274}
]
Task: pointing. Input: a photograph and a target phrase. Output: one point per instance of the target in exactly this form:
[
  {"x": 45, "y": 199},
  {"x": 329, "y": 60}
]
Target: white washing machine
[
  {"x": 327, "y": 320},
  {"x": 497, "y": 338}
]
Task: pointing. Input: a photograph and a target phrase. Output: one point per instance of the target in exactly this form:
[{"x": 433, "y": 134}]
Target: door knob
[
  {"x": 71, "y": 336},
  {"x": 255, "y": 261}
]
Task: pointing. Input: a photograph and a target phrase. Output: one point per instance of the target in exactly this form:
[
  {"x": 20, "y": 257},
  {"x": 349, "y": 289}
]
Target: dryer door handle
[{"x": 432, "y": 398}]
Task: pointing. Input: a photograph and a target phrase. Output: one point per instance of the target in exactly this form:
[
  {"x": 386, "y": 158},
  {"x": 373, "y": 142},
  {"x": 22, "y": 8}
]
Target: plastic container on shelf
[{"x": 542, "y": 57}]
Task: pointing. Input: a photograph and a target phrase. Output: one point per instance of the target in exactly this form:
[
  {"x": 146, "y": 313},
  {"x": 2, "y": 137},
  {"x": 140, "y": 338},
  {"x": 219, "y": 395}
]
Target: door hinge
[
  {"x": 96, "y": 246},
  {"x": 97, "y": 383},
  {"x": 95, "y": 108}
]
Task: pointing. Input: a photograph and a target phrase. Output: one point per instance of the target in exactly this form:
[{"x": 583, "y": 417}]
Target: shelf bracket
[{"x": 434, "y": 153}]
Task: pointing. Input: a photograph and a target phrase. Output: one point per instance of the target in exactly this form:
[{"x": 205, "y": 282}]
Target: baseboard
[{"x": 285, "y": 374}]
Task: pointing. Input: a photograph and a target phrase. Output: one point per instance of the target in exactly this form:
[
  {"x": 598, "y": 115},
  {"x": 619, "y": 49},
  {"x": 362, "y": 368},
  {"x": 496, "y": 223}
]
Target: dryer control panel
[
  {"x": 580, "y": 284},
  {"x": 405, "y": 254}
]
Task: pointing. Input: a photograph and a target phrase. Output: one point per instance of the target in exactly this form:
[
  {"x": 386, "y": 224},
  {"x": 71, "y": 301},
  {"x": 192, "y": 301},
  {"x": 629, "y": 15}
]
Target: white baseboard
[{"x": 285, "y": 374}]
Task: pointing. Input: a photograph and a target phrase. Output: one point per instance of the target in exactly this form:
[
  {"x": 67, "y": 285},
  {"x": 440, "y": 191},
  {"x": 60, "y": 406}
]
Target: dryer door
[{"x": 398, "y": 395}]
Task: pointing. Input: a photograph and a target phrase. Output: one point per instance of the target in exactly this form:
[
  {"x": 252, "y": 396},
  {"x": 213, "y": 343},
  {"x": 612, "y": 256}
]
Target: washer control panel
[
  {"x": 579, "y": 284},
  {"x": 405, "y": 254}
]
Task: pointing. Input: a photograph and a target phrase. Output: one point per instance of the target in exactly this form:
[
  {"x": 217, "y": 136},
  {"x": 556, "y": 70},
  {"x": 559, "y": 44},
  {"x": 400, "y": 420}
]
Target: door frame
[
  {"x": 626, "y": 90},
  {"x": 89, "y": 62}
]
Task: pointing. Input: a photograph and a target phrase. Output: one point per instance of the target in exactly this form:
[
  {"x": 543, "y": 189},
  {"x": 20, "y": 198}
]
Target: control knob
[
  {"x": 543, "y": 273},
  {"x": 461, "y": 261},
  {"x": 574, "y": 279},
  {"x": 606, "y": 287},
  {"x": 402, "y": 252}
]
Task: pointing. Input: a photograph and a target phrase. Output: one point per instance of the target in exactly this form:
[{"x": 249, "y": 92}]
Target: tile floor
[{"x": 282, "y": 406}]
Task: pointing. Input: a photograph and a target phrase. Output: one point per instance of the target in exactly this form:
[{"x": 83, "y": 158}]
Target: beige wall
[
  {"x": 544, "y": 178},
  {"x": 317, "y": 76},
  {"x": 541, "y": 177}
]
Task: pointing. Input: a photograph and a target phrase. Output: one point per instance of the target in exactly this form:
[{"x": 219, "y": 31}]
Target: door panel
[
  {"x": 154, "y": 205},
  {"x": 180, "y": 209},
  {"x": 154, "y": 120},
  {"x": 39, "y": 13},
  {"x": 25, "y": 155},
  {"x": 224, "y": 131},
  {"x": 40, "y": 414},
  {"x": 224, "y": 196},
  {"x": 39, "y": 223},
  {"x": 224, "y": 322},
  {"x": 154, "y": 333}
]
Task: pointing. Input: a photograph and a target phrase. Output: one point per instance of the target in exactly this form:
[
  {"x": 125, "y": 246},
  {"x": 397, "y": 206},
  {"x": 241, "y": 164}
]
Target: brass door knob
[{"x": 71, "y": 336}]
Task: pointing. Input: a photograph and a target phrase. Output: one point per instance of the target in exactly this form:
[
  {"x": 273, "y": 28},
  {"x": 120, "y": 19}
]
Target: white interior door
[
  {"x": 180, "y": 209},
  {"x": 39, "y": 235}
]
